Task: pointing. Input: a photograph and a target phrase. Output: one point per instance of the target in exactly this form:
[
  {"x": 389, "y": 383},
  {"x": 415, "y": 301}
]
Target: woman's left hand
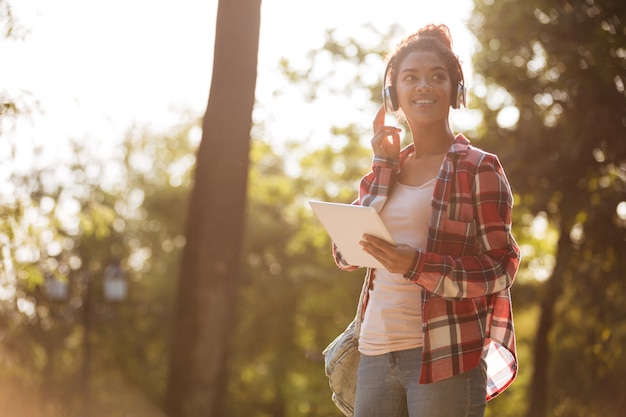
[{"x": 396, "y": 259}]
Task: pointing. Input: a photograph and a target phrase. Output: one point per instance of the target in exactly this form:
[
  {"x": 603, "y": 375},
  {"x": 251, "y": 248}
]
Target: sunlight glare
[
  {"x": 539, "y": 225},
  {"x": 621, "y": 210},
  {"x": 7, "y": 291},
  {"x": 508, "y": 117},
  {"x": 98, "y": 81},
  {"x": 26, "y": 306}
]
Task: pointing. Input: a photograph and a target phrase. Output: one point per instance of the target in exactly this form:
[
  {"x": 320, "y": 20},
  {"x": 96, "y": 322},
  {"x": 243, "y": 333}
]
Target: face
[{"x": 423, "y": 86}]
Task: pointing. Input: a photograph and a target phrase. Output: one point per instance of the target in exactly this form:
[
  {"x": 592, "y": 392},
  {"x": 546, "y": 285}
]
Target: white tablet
[{"x": 346, "y": 224}]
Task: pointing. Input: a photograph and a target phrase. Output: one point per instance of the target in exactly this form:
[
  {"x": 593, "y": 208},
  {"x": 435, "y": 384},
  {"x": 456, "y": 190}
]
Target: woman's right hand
[{"x": 386, "y": 140}]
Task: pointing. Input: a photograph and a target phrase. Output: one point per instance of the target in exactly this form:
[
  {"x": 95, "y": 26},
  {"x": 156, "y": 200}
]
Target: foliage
[
  {"x": 554, "y": 105},
  {"x": 558, "y": 65},
  {"x": 68, "y": 221},
  {"x": 9, "y": 28},
  {"x": 12, "y": 105},
  {"x": 293, "y": 298}
]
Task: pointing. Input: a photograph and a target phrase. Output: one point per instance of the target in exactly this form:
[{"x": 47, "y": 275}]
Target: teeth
[{"x": 424, "y": 101}]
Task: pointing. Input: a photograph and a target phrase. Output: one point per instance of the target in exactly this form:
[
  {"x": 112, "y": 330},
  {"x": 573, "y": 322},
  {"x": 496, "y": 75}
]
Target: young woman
[{"x": 437, "y": 334}]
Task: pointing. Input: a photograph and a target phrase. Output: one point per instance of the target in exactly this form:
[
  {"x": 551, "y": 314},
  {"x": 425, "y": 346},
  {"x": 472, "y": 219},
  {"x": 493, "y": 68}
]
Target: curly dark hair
[{"x": 434, "y": 38}]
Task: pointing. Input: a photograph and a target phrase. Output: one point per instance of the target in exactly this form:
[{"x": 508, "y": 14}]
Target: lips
[{"x": 423, "y": 101}]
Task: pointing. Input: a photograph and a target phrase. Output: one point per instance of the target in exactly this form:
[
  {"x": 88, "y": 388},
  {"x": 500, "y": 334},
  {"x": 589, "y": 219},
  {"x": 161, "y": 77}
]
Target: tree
[
  {"x": 558, "y": 68},
  {"x": 12, "y": 105},
  {"x": 215, "y": 221},
  {"x": 7, "y": 25},
  {"x": 130, "y": 205},
  {"x": 293, "y": 298}
]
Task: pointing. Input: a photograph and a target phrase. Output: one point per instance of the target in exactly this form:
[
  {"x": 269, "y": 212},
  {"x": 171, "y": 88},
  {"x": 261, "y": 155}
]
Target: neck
[{"x": 430, "y": 140}]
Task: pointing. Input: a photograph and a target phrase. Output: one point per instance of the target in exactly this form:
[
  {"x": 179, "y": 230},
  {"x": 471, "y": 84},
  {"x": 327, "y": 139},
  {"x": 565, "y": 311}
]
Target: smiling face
[{"x": 423, "y": 87}]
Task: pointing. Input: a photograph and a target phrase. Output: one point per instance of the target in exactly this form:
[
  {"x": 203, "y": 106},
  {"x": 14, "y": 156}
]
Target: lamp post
[
  {"x": 114, "y": 290},
  {"x": 86, "y": 400},
  {"x": 56, "y": 289},
  {"x": 114, "y": 282}
]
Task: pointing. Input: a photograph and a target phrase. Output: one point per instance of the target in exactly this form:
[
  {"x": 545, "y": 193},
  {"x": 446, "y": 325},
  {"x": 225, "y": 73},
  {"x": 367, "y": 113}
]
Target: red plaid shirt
[{"x": 467, "y": 268}]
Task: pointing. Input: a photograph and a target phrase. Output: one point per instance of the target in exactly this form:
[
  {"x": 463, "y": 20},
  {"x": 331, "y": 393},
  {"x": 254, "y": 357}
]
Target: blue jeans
[{"x": 388, "y": 387}]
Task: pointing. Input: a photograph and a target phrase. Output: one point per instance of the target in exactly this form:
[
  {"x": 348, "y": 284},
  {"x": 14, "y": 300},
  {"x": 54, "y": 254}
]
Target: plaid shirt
[{"x": 467, "y": 268}]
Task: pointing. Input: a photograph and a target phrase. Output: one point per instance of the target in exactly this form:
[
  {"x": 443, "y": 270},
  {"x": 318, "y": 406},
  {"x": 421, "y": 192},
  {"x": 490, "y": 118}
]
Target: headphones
[{"x": 390, "y": 96}]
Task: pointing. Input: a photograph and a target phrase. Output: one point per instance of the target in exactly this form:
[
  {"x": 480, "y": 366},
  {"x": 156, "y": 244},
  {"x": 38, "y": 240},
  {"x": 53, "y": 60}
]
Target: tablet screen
[{"x": 346, "y": 224}]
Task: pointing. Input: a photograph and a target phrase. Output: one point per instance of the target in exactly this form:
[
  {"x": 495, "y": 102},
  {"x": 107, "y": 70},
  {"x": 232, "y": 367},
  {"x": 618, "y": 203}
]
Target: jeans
[{"x": 388, "y": 387}]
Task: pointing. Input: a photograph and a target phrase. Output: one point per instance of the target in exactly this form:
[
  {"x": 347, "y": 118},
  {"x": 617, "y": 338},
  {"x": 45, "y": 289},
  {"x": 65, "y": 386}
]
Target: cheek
[{"x": 405, "y": 92}]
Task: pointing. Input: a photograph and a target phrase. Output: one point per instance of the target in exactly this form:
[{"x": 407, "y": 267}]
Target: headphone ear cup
[
  {"x": 391, "y": 99},
  {"x": 459, "y": 98}
]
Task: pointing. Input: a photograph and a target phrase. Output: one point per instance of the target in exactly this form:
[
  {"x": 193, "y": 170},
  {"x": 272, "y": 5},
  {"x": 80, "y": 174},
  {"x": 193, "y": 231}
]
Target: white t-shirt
[{"x": 393, "y": 318}]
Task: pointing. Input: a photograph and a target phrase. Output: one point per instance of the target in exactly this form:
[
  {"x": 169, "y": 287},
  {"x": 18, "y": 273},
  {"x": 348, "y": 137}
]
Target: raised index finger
[{"x": 379, "y": 119}]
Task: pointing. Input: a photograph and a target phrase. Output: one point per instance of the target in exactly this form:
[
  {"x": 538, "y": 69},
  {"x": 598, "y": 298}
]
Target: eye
[{"x": 440, "y": 76}]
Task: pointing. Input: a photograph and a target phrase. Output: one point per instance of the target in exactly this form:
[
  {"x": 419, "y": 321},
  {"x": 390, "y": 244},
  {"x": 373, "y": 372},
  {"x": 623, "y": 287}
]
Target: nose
[{"x": 422, "y": 84}]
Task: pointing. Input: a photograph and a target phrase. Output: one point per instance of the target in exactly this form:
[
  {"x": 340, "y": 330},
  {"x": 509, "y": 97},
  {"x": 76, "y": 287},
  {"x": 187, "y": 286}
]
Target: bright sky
[{"x": 98, "y": 66}]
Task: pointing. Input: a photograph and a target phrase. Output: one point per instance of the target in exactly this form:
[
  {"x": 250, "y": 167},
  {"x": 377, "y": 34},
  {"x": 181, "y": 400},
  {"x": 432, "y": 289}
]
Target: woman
[{"x": 437, "y": 335}]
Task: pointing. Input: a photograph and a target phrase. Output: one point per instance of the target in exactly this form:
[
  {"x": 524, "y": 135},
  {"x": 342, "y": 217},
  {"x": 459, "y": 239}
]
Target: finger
[
  {"x": 377, "y": 243},
  {"x": 393, "y": 139},
  {"x": 373, "y": 250},
  {"x": 386, "y": 131},
  {"x": 379, "y": 119},
  {"x": 387, "y": 144}
]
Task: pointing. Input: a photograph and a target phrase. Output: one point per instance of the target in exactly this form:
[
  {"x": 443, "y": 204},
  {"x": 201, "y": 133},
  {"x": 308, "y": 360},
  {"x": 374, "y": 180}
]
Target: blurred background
[{"x": 101, "y": 108}]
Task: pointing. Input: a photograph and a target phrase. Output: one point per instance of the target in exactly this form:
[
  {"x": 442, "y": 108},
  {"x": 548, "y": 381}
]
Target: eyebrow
[{"x": 433, "y": 69}]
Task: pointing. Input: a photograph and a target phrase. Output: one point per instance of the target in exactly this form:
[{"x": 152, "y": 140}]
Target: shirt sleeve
[
  {"x": 374, "y": 190},
  {"x": 491, "y": 265}
]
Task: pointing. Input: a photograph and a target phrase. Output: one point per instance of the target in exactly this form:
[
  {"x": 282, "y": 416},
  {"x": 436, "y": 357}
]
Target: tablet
[{"x": 346, "y": 224}]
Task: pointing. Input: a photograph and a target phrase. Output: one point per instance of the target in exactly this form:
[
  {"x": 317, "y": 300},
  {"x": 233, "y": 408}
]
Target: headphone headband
[{"x": 390, "y": 98}]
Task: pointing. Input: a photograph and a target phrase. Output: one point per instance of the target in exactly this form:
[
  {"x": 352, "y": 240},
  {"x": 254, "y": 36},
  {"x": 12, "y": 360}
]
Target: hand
[
  {"x": 386, "y": 140},
  {"x": 396, "y": 259}
]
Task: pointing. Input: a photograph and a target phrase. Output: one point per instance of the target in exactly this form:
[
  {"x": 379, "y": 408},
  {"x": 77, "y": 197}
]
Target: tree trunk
[
  {"x": 540, "y": 385},
  {"x": 210, "y": 263}
]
